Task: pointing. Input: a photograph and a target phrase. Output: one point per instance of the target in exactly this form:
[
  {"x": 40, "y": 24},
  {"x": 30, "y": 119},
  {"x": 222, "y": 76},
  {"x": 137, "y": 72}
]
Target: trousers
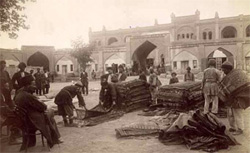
[
  {"x": 211, "y": 99},
  {"x": 235, "y": 118}
]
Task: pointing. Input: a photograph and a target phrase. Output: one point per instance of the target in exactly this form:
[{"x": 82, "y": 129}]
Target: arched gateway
[{"x": 38, "y": 59}]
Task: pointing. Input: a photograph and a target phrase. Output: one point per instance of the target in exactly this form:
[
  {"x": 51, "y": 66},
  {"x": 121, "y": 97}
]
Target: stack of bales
[
  {"x": 133, "y": 94},
  {"x": 180, "y": 96}
]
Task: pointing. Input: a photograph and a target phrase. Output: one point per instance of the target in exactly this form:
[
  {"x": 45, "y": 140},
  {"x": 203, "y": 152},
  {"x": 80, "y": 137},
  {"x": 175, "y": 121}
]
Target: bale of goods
[
  {"x": 181, "y": 96},
  {"x": 133, "y": 94}
]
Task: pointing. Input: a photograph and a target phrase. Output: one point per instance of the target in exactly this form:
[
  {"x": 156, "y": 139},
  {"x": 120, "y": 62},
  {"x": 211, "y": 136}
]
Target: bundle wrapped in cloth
[
  {"x": 181, "y": 96},
  {"x": 198, "y": 131},
  {"x": 133, "y": 94}
]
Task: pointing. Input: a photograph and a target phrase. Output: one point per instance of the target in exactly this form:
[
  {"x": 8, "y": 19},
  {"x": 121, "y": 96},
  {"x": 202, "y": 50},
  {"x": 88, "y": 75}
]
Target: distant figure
[
  {"x": 211, "y": 78},
  {"x": 39, "y": 81},
  {"x": 85, "y": 82},
  {"x": 46, "y": 81},
  {"x": 16, "y": 79},
  {"x": 189, "y": 76},
  {"x": 174, "y": 79},
  {"x": 93, "y": 75},
  {"x": 52, "y": 75},
  {"x": 64, "y": 99},
  {"x": 122, "y": 76},
  {"x": 154, "y": 83},
  {"x": 142, "y": 75}
]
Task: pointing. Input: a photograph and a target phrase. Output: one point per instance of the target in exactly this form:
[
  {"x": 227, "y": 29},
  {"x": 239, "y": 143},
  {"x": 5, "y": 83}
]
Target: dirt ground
[{"x": 102, "y": 139}]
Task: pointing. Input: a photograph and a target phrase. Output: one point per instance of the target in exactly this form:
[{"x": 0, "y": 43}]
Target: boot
[
  {"x": 71, "y": 123},
  {"x": 66, "y": 122}
]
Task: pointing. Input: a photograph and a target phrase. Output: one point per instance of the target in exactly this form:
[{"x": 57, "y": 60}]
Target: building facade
[{"x": 186, "y": 41}]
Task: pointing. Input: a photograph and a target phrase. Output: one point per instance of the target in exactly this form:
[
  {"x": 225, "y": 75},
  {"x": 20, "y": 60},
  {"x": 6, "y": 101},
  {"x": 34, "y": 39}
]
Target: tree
[
  {"x": 82, "y": 52},
  {"x": 12, "y": 17}
]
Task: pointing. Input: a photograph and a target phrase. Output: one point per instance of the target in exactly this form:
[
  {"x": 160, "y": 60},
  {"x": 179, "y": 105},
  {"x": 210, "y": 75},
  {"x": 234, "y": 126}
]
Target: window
[
  {"x": 194, "y": 63},
  {"x": 57, "y": 68},
  {"x": 71, "y": 67},
  {"x": 204, "y": 35},
  {"x": 187, "y": 36},
  {"x": 229, "y": 32},
  {"x": 192, "y": 36},
  {"x": 248, "y": 31},
  {"x": 209, "y": 35},
  {"x": 175, "y": 65},
  {"x": 178, "y": 36},
  {"x": 183, "y": 36}
]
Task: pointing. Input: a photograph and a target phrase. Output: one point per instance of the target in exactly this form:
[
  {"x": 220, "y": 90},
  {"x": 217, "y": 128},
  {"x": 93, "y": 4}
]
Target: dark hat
[
  {"x": 2, "y": 62},
  {"x": 121, "y": 66},
  {"x": 212, "y": 62},
  {"x": 109, "y": 68},
  {"x": 188, "y": 68},
  {"x": 24, "y": 81},
  {"x": 78, "y": 84},
  {"x": 22, "y": 64},
  {"x": 227, "y": 65},
  {"x": 173, "y": 73}
]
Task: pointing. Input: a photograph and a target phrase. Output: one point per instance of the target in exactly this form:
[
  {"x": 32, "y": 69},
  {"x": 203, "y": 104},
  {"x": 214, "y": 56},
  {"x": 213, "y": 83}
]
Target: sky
[{"x": 59, "y": 22}]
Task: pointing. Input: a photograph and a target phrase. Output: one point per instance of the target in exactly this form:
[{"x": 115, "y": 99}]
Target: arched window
[
  {"x": 126, "y": 38},
  {"x": 204, "y": 35},
  {"x": 112, "y": 40},
  {"x": 248, "y": 31},
  {"x": 210, "y": 35},
  {"x": 183, "y": 36},
  {"x": 192, "y": 36},
  {"x": 229, "y": 32},
  {"x": 187, "y": 36},
  {"x": 178, "y": 36}
]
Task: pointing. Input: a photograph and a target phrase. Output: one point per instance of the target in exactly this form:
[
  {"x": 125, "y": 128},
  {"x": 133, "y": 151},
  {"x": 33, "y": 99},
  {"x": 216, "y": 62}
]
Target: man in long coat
[
  {"x": 16, "y": 79},
  {"x": 39, "y": 79},
  {"x": 39, "y": 117},
  {"x": 211, "y": 78},
  {"x": 64, "y": 102},
  {"x": 85, "y": 82}
]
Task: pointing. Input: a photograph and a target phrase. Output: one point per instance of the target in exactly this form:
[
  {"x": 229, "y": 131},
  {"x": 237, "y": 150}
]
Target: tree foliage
[
  {"x": 82, "y": 52},
  {"x": 12, "y": 17}
]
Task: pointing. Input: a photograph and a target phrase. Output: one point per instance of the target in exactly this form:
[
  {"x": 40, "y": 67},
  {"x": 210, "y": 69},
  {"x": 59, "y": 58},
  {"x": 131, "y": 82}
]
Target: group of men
[{"x": 39, "y": 116}]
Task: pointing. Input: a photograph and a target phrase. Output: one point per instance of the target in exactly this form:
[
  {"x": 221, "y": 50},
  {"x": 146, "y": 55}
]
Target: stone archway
[
  {"x": 221, "y": 55},
  {"x": 38, "y": 59},
  {"x": 140, "y": 55}
]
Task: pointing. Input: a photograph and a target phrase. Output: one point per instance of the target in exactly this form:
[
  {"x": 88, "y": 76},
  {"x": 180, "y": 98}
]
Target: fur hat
[
  {"x": 22, "y": 64},
  {"x": 78, "y": 83},
  {"x": 188, "y": 68},
  {"x": 211, "y": 62},
  {"x": 227, "y": 65}
]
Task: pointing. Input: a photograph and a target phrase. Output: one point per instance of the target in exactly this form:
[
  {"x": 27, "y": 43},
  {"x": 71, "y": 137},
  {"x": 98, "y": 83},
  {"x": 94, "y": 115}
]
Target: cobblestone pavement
[{"x": 102, "y": 139}]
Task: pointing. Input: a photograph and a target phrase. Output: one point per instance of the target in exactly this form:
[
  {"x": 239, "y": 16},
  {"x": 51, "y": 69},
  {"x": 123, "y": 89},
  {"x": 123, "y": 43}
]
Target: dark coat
[
  {"x": 5, "y": 93},
  {"x": 84, "y": 78},
  {"x": 39, "y": 79},
  {"x": 17, "y": 78},
  {"x": 39, "y": 117},
  {"x": 173, "y": 80},
  {"x": 65, "y": 97},
  {"x": 114, "y": 77},
  {"x": 123, "y": 77},
  {"x": 142, "y": 76}
]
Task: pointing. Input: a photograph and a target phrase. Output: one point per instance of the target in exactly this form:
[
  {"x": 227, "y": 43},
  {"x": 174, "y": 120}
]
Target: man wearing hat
[
  {"x": 235, "y": 87},
  {"x": 16, "y": 79},
  {"x": 85, "y": 82},
  {"x": 211, "y": 78},
  {"x": 174, "y": 79},
  {"x": 189, "y": 76},
  {"x": 39, "y": 117},
  {"x": 110, "y": 77},
  {"x": 122, "y": 75},
  {"x": 64, "y": 102},
  {"x": 154, "y": 83}
]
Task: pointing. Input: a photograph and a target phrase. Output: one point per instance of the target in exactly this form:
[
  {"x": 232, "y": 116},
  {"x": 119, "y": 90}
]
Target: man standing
[
  {"x": 46, "y": 81},
  {"x": 85, "y": 82},
  {"x": 16, "y": 79},
  {"x": 234, "y": 89},
  {"x": 64, "y": 102},
  {"x": 211, "y": 78},
  {"x": 122, "y": 75},
  {"x": 142, "y": 75},
  {"x": 39, "y": 117},
  {"x": 39, "y": 80},
  {"x": 110, "y": 77},
  {"x": 93, "y": 74},
  {"x": 154, "y": 83},
  {"x": 189, "y": 76}
]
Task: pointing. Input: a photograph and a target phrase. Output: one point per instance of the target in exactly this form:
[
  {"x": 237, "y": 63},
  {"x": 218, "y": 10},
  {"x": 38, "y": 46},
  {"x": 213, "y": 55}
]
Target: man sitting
[{"x": 39, "y": 117}]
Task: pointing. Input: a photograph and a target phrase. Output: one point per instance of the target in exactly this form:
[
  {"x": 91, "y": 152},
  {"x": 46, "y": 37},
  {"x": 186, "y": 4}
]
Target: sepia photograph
[{"x": 125, "y": 76}]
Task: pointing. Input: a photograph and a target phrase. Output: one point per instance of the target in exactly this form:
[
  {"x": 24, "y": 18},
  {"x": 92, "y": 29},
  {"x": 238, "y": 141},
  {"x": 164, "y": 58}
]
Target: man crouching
[
  {"x": 39, "y": 117},
  {"x": 64, "y": 102}
]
